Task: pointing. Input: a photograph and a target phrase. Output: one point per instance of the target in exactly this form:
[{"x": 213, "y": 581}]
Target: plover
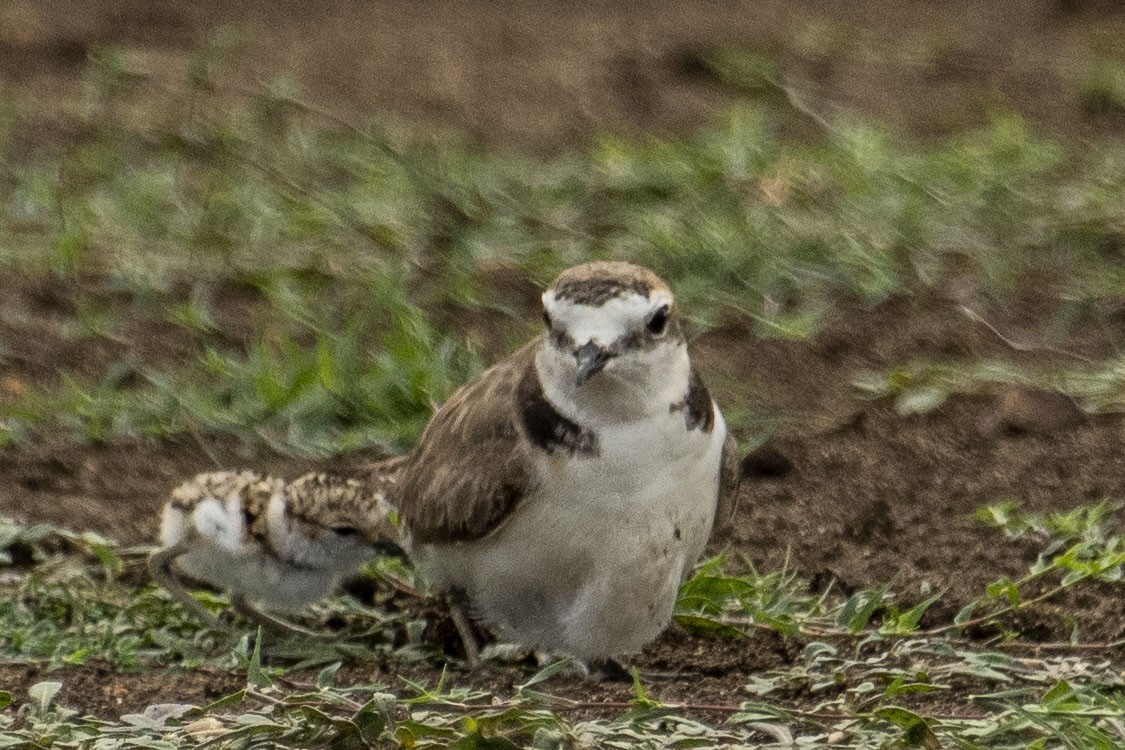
[
  {"x": 567, "y": 491},
  {"x": 275, "y": 546}
]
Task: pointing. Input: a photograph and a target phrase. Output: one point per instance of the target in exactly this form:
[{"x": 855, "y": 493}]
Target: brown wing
[
  {"x": 730, "y": 479},
  {"x": 470, "y": 468}
]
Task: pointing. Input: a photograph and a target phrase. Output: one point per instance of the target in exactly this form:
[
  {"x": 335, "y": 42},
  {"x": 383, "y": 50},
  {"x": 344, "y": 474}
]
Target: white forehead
[{"x": 606, "y": 322}]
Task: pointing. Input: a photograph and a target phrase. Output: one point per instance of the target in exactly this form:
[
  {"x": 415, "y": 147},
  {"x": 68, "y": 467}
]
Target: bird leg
[
  {"x": 160, "y": 566},
  {"x": 458, "y": 611},
  {"x": 243, "y": 607}
]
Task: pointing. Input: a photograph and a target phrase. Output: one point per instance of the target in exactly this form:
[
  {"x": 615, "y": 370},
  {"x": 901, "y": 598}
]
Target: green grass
[
  {"x": 865, "y": 672},
  {"x": 362, "y": 254},
  {"x": 919, "y": 387}
]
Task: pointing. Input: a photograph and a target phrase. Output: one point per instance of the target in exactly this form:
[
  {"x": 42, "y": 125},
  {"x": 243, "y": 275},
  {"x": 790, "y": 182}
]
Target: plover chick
[{"x": 275, "y": 546}]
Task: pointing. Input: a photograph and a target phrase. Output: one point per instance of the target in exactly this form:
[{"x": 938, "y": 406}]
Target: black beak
[{"x": 591, "y": 359}]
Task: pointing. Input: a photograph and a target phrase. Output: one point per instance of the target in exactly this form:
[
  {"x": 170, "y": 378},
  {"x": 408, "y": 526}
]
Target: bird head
[{"x": 611, "y": 326}]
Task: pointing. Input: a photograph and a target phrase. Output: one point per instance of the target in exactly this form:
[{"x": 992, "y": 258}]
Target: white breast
[{"x": 591, "y": 563}]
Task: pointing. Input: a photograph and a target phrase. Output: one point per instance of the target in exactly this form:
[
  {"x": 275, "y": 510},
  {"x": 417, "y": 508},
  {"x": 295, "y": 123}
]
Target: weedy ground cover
[{"x": 866, "y": 672}]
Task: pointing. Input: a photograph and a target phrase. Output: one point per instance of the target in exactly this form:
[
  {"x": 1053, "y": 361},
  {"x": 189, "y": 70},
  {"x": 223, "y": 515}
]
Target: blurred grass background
[{"x": 267, "y": 270}]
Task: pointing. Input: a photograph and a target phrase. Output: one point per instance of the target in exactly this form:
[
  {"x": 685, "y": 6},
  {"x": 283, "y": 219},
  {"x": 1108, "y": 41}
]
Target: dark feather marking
[
  {"x": 255, "y": 503},
  {"x": 545, "y": 427},
  {"x": 699, "y": 411},
  {"x": 597, "y": 291},
  {"x": 248, "y": 518},
  {"x": 560, "y": 339},
  {"x": 184, "y": 504}
]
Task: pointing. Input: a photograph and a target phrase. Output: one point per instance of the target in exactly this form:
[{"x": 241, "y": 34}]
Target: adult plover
[{"x": 568, "y": 490}]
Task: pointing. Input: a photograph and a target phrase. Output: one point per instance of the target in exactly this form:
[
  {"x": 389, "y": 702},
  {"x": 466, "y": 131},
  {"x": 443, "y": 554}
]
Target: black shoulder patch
[
  {"x": 597, "y": 291},
  {"x": 699, "y": 412},
  {"x": 547, "y": 428}
]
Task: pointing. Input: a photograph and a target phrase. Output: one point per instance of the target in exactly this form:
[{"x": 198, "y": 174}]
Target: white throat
[{"x": 634, "y": 386}]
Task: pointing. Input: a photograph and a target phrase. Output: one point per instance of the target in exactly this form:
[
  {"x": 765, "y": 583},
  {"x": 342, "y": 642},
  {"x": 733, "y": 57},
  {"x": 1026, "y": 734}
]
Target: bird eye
[
  {"x": 658, "y": 322},
  {"x": 345, "y": 531},
  {"x": 547, "y": 319}
]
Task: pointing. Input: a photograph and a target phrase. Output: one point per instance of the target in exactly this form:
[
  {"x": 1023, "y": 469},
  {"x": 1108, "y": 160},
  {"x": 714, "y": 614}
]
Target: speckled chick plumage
[{"x": 277, "y": 545}]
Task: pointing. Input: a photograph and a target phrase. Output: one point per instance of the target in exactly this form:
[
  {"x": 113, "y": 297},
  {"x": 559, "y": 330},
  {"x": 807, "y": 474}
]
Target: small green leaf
[
  {"x": 898, "y": 716},
  {"x": 916, "y": 731},
  {"x": 327, "y": 676},
  {"x": 756, "y": 685},
  {"x": 860, "y": 607},
  {"x": 966, "y": 613},
  {"x": 1004, "y": 588},
  {"x": 1061, "y": 690},
  {"x": 405, "y": 737},
  {"x": 225, "y": 702},
  {"x": 370, "y": 721},
  {"x": 43, "y": 693},
  {"x": 545, "y": 673},
  {"x": 255, "y": 675},
  {"x": 640, "y": 695},
  {"x": 907, "y": 622},
  {"x": 900, "y": 686}
]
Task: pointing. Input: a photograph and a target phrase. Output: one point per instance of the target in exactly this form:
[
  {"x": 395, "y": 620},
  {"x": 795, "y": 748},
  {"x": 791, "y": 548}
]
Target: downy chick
[{"x": 274, "y": 545}]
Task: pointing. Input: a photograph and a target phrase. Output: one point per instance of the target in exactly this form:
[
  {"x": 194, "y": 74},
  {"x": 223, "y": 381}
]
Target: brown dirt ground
[
  {"x": 862, "y": 496},
  {"x": 541, "y": 75}
]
